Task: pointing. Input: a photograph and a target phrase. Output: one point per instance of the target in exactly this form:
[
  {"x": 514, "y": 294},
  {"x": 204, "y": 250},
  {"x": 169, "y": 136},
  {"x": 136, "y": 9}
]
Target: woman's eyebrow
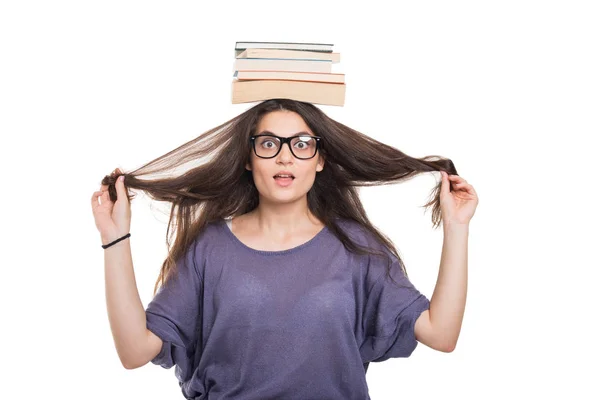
[{"x": 265, "y": 132}]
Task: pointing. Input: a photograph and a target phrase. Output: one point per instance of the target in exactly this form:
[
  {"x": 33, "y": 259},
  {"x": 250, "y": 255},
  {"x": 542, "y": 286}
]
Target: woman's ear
[
  {"x": 320, "y": 163},
  {"x": 248, "y": 167}
]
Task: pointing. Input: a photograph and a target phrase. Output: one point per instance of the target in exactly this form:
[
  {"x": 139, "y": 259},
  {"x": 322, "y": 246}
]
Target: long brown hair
[{"x": 221, "y": 187}]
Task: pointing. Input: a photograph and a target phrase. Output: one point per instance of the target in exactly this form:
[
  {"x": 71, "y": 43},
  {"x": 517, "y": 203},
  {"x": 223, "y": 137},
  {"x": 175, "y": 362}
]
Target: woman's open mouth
[{"x": 283, "y": 180}]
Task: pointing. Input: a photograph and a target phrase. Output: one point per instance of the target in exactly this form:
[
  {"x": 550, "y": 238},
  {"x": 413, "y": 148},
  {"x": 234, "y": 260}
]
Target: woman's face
[{"x": 283, "y": 124}]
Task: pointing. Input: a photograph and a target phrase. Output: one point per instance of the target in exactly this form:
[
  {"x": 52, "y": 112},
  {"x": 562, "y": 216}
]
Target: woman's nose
[{"x": 286, "y": 152}]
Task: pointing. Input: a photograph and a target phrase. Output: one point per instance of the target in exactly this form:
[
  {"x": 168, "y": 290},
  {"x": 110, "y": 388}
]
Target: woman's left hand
[{"x": 458, "y": 205}]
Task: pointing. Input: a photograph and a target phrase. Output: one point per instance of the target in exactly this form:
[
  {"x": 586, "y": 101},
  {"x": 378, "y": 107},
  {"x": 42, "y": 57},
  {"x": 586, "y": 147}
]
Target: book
[
  {"x": 277, "y": 64},
  {"x": 297, "y": 71},
  {"x": 290, "y": 76},
  {"x": 309, "y": 92},
  {"x": 324, "y": 47},
  {"x": 291, "y": 54}
]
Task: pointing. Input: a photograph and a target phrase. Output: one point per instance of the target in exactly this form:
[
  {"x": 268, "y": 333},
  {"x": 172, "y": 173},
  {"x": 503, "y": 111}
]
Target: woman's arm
[
  {"x": 439, "y": 327},
  {"x": 135, "y": 344}
]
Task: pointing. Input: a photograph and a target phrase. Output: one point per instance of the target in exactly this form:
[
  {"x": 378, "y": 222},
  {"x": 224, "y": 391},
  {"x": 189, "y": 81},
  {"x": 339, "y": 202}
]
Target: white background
[{"x": 508, "y": 90}]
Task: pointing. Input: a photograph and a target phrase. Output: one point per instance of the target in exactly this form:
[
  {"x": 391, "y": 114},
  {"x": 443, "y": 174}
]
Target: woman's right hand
[{"x": 113, "y": 219}]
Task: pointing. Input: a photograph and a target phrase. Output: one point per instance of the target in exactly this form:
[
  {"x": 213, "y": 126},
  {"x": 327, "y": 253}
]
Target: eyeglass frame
[{"x": 288, "y": 140}]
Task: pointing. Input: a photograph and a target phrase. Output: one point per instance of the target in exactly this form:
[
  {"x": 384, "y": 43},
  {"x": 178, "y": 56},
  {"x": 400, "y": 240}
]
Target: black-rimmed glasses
[{"x": 302, "y": 146}]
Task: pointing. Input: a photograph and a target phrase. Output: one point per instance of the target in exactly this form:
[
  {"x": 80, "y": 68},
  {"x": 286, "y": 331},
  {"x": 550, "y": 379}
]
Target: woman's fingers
[
  {"x": 456, "y": 178},
  {"x": 458, "y": 182},
  {"x": 460, "y": 185},
  {"x": 121, "y": 191},
  {"x": 95, "y": 196},
  {"x": 103, "y": 197},
  {"x": 464, "y": 186}
]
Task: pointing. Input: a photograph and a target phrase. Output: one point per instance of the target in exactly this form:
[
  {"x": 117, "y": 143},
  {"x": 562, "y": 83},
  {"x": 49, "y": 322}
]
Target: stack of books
[{"x": 297, "y": 71}]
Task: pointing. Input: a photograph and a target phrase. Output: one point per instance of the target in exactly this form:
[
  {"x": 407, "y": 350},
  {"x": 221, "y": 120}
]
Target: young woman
[{"x": 277, "y": 285}]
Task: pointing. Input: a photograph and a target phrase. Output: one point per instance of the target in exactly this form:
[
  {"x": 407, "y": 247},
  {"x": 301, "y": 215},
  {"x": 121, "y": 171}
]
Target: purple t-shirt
[{"x": 302, "y": 323}]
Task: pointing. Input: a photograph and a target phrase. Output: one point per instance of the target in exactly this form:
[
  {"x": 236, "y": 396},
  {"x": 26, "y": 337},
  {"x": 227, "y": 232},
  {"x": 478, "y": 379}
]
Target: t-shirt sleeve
[
  {"x": 391, "y": 310},
  {"x": 173, "y": 315}
]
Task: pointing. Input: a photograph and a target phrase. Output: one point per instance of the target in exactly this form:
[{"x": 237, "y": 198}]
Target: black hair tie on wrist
[{"x": 104, "y": 246}]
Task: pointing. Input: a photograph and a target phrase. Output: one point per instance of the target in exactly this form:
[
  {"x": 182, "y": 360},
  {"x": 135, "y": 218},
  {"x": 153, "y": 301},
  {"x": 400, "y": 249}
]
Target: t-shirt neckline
[{"x": 235, "y": 239}]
